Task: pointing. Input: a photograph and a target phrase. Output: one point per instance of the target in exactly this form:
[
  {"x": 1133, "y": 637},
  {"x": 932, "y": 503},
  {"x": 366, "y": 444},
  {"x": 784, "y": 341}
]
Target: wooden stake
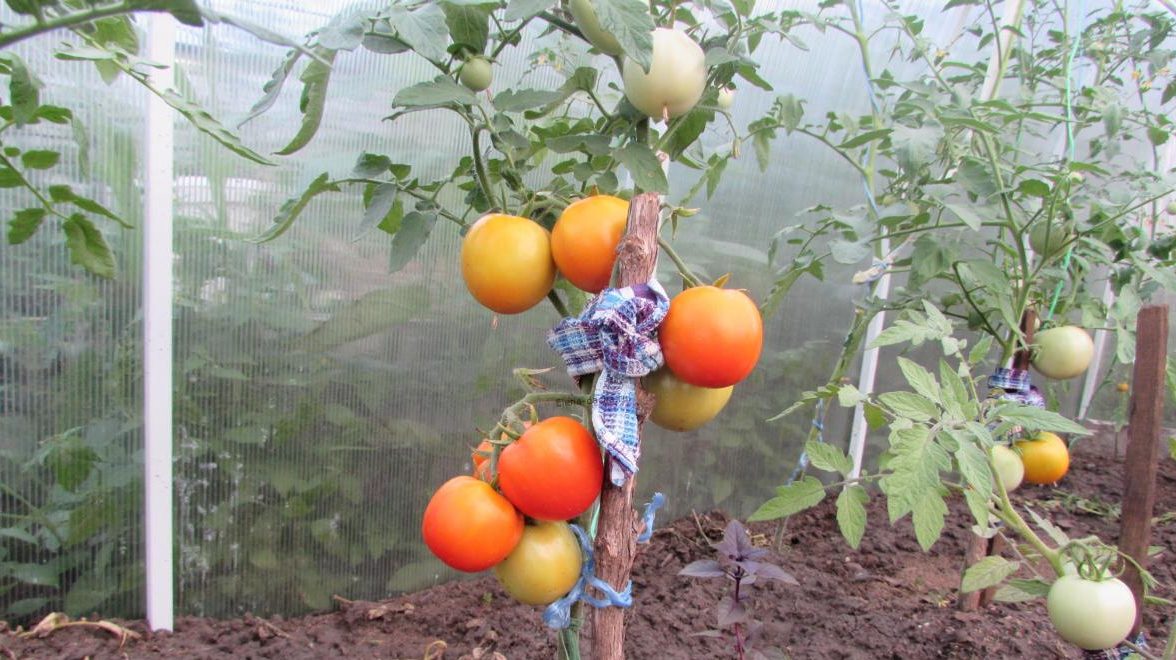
[
  {"x": 616, "y": 544},
  {"x": 1143, "y": 445},
  {"x": 978, "y": 546}
]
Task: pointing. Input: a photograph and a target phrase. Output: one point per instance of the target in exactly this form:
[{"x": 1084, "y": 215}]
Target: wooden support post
[
  {"x": 978, "y": 546},
  {"x": 616, "y": 545},
  {"x": 1143, "y": 445}
]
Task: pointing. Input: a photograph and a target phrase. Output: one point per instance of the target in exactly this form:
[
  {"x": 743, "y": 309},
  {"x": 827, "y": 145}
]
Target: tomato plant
[
  {"x": 544, "y": 566},
  {"x": 506, "y": 262},
  {"x": 469, "y": 526},
  {"x": 1045, "y": 456},
  {"x": 1091, "y": 614},
  {"x": 712, "y": 337},
  {"x": 681, "y": 406},
  {"x": 553, "y": 471},
  {"x": 1063, "y": 352},
  {"x": 585, "y": 237}
]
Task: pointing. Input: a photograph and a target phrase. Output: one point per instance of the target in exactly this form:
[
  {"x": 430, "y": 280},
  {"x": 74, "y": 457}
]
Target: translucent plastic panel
[{"x": 70, "y": 377}]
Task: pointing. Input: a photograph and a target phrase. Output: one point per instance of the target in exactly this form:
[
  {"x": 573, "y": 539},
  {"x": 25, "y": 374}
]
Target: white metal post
[{"x": 157, "y": 331}]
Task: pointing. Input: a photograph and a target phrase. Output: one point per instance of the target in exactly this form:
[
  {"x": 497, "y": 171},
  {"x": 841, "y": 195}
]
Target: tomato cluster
[{"x": 551, "y": 473}]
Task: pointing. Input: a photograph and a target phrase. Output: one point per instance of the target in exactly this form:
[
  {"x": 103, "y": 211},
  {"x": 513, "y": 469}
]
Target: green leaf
[
  {"x": 849, "y": 396},
  {"x": 469, "y": 25},
  {"x": 39, "y": 159},
  {"x": 928, "y": 515},
  {"x": 23, "y": 89},
  {"x": 966, "y": 214},
  {"x": 81, "y": 138},
  {"x": 315, "y": 79},
  {"x": 519, "y": 10},
  {"x": 345, "y": 30},
  {"x": 87, "y": 594},
  {"x": 851, "y": 514},
  {"x": 919, "y": 379},
  {"x": 383, "y": 199},
  {"x": 632, "y": 25},
  {"x": 369, "y": 165},
  {"x": 790, "y": 499},
  {"x": 1037, "y": 419},
  {"x": 440, "y": 91},
  {"x": 865, "y": 138},
  {"x": 909, "y": 405},
  {"x": 41, "y": 575},
  {"x": 63, "y": 193},
  {"x": 26, "y": 606},
  {"x": 373, "y": 313},
  {"x": 953, "y": 393},
  {"x": 646, "y": 169},
  {"x": 273, "y": 87},
  {"x": 826, "y": 457},
  {"x": 978, "y": 505},
  {"x": 70, "y": 461},
  {"x": 974, "y": 467},
  {"x": 25, "y": 224},
  {"x": 295, "y": 205},
  {"x": 980, "y": 350},
  {"x": 87, "y": 247},
  {"x": 526, "y": 99},
  {"x": 987, "y": 572},
  {"x": 424, "y": 29},
  {"x": 1034, "y": 188},
  {"x": 875, "y": 416},
  {"x": 1021, "y": 591},
  {"x": 414, "y": 231},
  {"x": 689, "y": 128},
  {"x": 915, "y": 148}
]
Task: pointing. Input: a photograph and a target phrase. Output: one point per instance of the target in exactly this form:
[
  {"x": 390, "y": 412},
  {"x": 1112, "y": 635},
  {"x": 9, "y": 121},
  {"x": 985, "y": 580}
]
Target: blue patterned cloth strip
[
  {"x": 617, "y": 336},
  {"x": 1119, "y": 653},
  {"x": 1014, "y": 385}
]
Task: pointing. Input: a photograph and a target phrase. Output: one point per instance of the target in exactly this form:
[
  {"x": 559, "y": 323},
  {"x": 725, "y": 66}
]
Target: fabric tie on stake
[
  {"x": 558, "y": 615},
  {"x": 615, "y": 335}
]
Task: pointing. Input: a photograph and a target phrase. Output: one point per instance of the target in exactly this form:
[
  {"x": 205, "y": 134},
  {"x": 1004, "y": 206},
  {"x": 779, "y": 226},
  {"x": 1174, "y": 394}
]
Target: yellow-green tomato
[
  {"x": 676, "y": 78},
  {"x": 1009, "y": 467},
  {"x": 1171, "y": 208},
  {"x": 681, "y": 406},
  {"x": 1062, "y": 352},
  {"x": 476, "y": 74},
  {"x": 1091, "y": 614},
  {"x": 1048, "y": 238},
  {"x": 544, "y": 566},
  {"x": 589, "y": 24},
  {"x": 726, "y": 98}
]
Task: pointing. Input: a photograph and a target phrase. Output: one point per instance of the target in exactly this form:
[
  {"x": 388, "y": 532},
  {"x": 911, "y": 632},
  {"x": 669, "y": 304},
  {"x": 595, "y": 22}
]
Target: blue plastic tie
[
  {"x": 558, "y": 615},
  {"x": 651, "y": 508}
]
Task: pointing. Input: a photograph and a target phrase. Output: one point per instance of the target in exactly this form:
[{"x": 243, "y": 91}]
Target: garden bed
[{"x": 886, "y": 600}]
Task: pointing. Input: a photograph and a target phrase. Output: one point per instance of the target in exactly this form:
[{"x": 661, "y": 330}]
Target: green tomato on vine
[{"x": 476, "y": 73}]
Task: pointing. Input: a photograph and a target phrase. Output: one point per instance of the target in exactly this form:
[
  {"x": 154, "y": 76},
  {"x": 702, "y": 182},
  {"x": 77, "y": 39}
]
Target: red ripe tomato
[
  {"x": 469, "y": 526},
  {"x": 553, "y": 471},
  {"x": 711, "y": 337},
  {"x": 584, "y": 240}
]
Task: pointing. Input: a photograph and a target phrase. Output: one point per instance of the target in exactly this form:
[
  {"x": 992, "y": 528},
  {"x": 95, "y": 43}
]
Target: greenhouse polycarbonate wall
[{"x": 325, "y": 384}]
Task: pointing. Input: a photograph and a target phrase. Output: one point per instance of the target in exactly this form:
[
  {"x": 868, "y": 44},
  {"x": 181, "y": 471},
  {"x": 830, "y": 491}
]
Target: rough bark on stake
[
  {"x": 980, "y": 547},
  {"x": 615, "y": 538},
  {"x": 1143, "y": 445}
]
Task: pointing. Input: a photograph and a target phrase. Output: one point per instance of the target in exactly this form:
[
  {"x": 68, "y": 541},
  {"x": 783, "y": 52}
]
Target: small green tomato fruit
[
  {"x": 726, "y": 98},
  {"x": 676, "y": 78},
  {"x": 476, "y": 74},
  {"x": 1048, "y": 238},
  {"x": 589, "y": 24},
  {"x": 1171, "y": 208},
  {"x": 1009, "y": 467}
]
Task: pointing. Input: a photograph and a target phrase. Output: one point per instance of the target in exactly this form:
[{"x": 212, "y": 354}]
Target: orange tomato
[
  {"x": 1045, "y": 456},
  {"x": 712, "y": 337},
  {"x": 469, "y": 526},
  {"x": 506, "y": 262},
  {"x": 585, "y": 238},
  {"x": 553, "y": 471}
]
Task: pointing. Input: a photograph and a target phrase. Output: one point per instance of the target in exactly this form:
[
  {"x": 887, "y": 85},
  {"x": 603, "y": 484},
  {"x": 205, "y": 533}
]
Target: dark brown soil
[{"x": 886, "y": 600}]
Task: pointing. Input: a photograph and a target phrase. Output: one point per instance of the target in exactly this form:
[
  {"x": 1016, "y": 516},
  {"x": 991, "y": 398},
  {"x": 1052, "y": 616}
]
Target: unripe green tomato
[
  {"x": 726, "y": 98},
  {"x": 1048, "y": 238},
  {"x": 1009, "y": 468},
  {"x": 1171, "y": 208},
  {"x": 476, "y": 74},
  {"x": 589, "y": 24},
  {"x": 676, "y": 78},
  {"x": 544, "y": 566},
  {"x": 681, "y": 406},
  {"x": 1062, "y": 352},
  {"x": 1091, "y": 614}
]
